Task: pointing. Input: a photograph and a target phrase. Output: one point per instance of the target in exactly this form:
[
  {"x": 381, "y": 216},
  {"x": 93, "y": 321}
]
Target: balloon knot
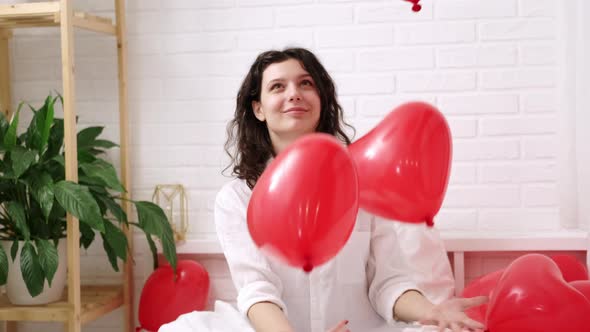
[
  {"x": 138, "y": 329},
  {"x": 416, "y": 6},
  {"x": 307, "y": 267},
  {"x": 429, "y": 222}
]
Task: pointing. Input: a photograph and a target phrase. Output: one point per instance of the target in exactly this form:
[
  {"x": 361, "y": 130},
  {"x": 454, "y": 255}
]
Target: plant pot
[{"x": 16, "y": 289}]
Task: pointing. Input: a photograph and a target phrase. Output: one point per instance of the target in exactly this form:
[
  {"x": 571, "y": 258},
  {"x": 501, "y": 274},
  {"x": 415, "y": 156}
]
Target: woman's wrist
[
  {"x": 267, "y": 316},
  {"x": 412, "y": 306}
]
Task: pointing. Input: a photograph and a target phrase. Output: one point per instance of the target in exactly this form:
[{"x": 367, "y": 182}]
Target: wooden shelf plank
[
  {"x": 96, "y": 301},
  {"x": 55, "y": 312},
  {"x": 100, "y": 300},
  {"x": 29, "y": 10},
  {"x": 94, "y": 23},
  {"x": 46, "y": 14}
]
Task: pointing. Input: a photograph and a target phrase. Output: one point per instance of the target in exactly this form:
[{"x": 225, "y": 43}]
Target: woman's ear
[{"x": 257, "y": 108}]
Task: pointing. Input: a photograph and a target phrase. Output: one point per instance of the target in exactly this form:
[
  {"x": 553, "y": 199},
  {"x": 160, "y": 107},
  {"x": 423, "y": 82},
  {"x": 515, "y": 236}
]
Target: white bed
[{"x": 226, "y": 318}]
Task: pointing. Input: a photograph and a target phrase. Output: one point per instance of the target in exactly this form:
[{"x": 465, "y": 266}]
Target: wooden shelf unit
[{"x": 81, "y": 304}]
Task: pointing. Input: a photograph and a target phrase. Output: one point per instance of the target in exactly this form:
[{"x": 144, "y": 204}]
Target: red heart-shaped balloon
[
  {"x": 163, "y": 298},
  {"x": 304, "y": 206},
  {"x": 532, "y": 296},
  {"x": 482, "y": 286},
  {"x": 404, "y": 164},
  {"x": 571, "y": 268},
  {"x": 583, "y": 286}
]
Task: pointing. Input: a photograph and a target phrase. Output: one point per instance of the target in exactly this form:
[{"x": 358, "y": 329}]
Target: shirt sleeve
[
  {"x": 250, "y": 271},
  {"x": 387, "y": 273},
  {"x": 426, "y": 257}
]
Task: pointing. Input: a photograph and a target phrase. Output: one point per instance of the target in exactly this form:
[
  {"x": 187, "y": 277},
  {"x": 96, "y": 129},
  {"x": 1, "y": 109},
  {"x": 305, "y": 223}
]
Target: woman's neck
[
  {"x": 280, "y": 146},
  {"x": 280, "y": 143}
]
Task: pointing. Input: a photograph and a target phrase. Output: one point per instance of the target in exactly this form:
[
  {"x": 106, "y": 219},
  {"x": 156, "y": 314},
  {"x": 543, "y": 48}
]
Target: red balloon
[
  {"x": 304, "y": 206},
  {"x": 482, "y": 286},
  {"x": 571, "y": 268},
  {"x": 404, "y": 164},
  {"x": 532, "y": 296},
  {"x": 583, "y": 286},
  {"x": 163, "y": 298}
]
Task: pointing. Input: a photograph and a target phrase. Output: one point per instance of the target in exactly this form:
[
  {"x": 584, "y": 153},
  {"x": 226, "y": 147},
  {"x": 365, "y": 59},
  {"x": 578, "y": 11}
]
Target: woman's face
[{"x": 289, "y": 101}]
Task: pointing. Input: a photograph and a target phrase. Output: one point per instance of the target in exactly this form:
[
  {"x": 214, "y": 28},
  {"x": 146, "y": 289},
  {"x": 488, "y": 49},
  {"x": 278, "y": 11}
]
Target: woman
[{"x": 367, "y": 286}]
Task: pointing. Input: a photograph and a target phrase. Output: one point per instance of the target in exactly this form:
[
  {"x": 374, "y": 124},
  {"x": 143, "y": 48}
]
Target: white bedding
[{"x": 226, "y": 318}]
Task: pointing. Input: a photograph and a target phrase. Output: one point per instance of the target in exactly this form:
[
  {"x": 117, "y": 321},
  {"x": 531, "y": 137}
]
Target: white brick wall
[{"x": 493, "y": 68}]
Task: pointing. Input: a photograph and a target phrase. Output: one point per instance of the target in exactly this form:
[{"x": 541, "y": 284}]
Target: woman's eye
[
  {"x": 276, "y": 86},
  {"x": 307, "y": 83}
]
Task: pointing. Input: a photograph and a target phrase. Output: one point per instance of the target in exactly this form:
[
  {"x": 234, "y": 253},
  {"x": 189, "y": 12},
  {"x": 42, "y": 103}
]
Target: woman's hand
[
  {"x": 450, "y": 314},
  {"x": 341, "y": 327}
]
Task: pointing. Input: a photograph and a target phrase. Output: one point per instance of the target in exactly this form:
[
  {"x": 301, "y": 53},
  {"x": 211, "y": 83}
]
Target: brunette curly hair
[{"x": 248, "y": 142}]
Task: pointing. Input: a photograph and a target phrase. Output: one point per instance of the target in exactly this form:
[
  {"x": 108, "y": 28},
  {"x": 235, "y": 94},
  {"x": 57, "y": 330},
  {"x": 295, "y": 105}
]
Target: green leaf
[
  {"x": 10, "y": 137},
  {"x": 113, "y": 206},
  {"x": 85, "y": 157},
  {"x": 77, "y": 200},
  {"x": 87, "y": 236},
  {"x": 31, "y": 269},
  {"x": 14, "y": 249},
  {"x": 151, "y": 217},
  {"x": 60, "y": 97},
  {"x": 7, "y": 167},
  {"x": 48, "y": 258},
  {"x": 95, "y": 152},
  {"x": 99, "y": 190},
  {"x": 89, "y": 182},
  {"x": 116, "y": 239},
  {"x": 22, "y": 159},
  {"x": 3, "y": 266},
  {"x": 153, "y": 221},
  {"x": 56, "y": 138},
  {"x": 32, "y": 136},
  {"x": 17, "y": 213},
  {"x": 47, "y": 124},
  {"x": 87, "y": 136},
  {"x": 42, "y": 189},
  {"x": 102, "y": 143},
  {"x": 105, "y": 172},
  {"x": 38, "y": 131},
  {"x": 153, "y": 249},
  {"x": 110, "y": 253},
  {"x": 60, "y": 159},
  {"x": 3, "y": 128}
]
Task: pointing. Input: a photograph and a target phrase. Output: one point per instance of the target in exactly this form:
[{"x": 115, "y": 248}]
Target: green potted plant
[{"x": 34, "y": 199}]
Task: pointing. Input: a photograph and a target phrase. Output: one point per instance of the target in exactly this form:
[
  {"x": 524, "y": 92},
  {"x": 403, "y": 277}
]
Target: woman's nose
[{"x": 294, "y": 94}]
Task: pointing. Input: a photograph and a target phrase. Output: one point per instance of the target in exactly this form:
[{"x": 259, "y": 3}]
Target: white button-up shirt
[{"x": 381, "y": 260}]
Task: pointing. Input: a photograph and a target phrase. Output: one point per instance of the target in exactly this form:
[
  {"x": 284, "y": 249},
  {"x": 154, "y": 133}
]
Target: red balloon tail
[
  {"x": 429, "y": 221},
  {"x": 416, "y": 6},
  {"x": 138, "y": 329}
]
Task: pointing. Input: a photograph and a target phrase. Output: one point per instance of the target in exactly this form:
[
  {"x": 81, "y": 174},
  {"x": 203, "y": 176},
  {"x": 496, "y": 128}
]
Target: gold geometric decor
[{"x": 172, "y": 199}]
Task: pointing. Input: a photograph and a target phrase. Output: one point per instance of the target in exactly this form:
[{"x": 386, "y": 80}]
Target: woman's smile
[{"x": 295, "y": 111}]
